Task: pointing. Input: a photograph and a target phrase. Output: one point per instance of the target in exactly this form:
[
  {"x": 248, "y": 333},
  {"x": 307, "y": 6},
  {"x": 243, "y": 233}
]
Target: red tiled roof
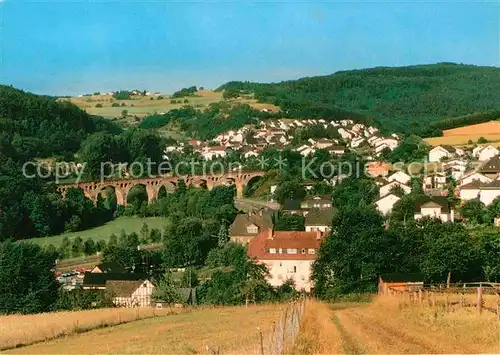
[{"x": 259, "y": 246}]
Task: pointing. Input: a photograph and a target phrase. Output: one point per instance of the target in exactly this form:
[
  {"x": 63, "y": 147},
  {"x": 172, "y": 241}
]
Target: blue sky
[{"x": 71, "y": 47}]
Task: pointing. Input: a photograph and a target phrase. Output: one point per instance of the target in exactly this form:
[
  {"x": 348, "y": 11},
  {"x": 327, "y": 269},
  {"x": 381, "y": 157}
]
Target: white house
[
  {"x": 390, "y": 143},
  {"x": 440, "y": 152},
  {"x": 130, "y": 293},
  {"x": 490, "y": 192},
  {"x": 319, "y": 220},
  {"x": 288, "y": 255},
  {"x": 470, "y": 191},
  {"x": 356, "y": 142},
  {"x": 434, "y": 207},
  {"x": 386, "y": 189},
  {"x": 386, "y": 203},
  {"x": 400, "y": 176},
  {"x": 484, "y": 153},
  {"x": 214, "y": 152},
  {"x": 467, "y": 179}
]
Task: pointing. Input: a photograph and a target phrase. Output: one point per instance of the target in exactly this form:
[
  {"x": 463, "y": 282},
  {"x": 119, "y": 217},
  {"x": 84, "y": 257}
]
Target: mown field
[
  {"x": 229, "y": 329},
  {"x": 141, "y": 106},
  {"x": 385, "y": 327},
  {"x": 381, "y": 327},
  {"x": 128, "y": 224},
  {"x": 461, "y": 136}
]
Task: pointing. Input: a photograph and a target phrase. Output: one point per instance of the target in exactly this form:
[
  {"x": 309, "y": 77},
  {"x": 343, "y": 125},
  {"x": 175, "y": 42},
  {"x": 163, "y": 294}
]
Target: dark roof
[
  {"x": 319, "y": 198},
  {"x": 440, "y": 200},
  {"x": 111, "y": 267},
  {"x": 122, "y": 288},
  {"x": 291, "y": 205},
  {"x": 261, "y": 219},
  {"x": 99, "y": 279},
  {"x": 319, "y": 217},
  {"x": 449, "y": 148},
  {"x": 401, "y": 277},
  {"x": 491, "y": 166}
]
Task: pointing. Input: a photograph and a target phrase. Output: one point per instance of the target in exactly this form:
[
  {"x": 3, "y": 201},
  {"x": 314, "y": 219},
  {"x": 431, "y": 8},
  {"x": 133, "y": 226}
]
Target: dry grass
[
  {"x": 385, "y": 326},
  {"x": 17, "y": 330},
  {"x": 230, "y": 329},
  {"x": 318, "y": 334},
  {"x": 460, "y": 136}
]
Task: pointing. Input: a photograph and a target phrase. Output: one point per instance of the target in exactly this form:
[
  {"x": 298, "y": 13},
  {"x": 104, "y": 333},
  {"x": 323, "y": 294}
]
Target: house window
[
  {"x": 303, "y": 251},
  {"x": 312, "y": 251},
  {"x": 252, "y": 229},
  {"x": 281, "y": 264},
  {"x": 272, "y": 251},
  {"x": 292, "y": 251},
  {"x": 295, "y": 269}
]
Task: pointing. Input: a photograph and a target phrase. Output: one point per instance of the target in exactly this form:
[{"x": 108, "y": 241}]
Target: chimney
[{"x": 270, "y": 233}]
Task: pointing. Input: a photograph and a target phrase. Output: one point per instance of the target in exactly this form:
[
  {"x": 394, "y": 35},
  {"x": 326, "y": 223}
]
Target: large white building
[{"x": 288, "y": 255}]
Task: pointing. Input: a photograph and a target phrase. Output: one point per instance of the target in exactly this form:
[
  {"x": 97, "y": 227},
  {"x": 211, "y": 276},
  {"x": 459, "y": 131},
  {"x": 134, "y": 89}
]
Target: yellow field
[
  {"x": 461, "y": 136},
  {"x": 230, "y": 329},
  {"x": 17, "y": 330},
  {"x": 141, "y": 106}
]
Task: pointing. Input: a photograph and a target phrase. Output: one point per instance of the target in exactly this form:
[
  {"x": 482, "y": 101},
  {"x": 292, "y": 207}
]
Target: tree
[
  {"x": 222, "y": 236},
  {"x": 345, "y": 263},
  {"x": 189, "y": 278},
  {"x": 144, "y": 234},
  {"x": 27, "y": 280},
  {"x": 449, "y": 251},
  {"x": 289, "y": 190},
  {"x": 488, "y": 249},
  {"x": 482, "y": 140},
  {"x": 89, "y": 247},
  {"x": 77, "y": 246},
  {"x": 473, "y": 211},
  {"x": 167, "y": 291},
  {"x": 124, "y": 113}
]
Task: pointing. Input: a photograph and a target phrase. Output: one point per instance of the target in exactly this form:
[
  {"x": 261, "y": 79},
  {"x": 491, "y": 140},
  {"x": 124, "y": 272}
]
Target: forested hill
[
  {"x": 39, "y": 126},
  {"x": 401, "y": 98}
]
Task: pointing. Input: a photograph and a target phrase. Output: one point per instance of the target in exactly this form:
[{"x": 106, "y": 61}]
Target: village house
[
  {"x": 386, "y": 189},
  {"x": 455, "y": 168},
  {"x": 130, "y": 293},
  {"x": 484, "y": 153},
  {"x": 108, "y": 267},
  {"x": 474, "y": 176},
  {"x": 485, "y": 192},
  {"x": 434, "y": 207},
  {"x": 437, "y": 180},
  {"x": 386, "y": 203},
  {"x": 319, "y": 220},
  {"x": 491, "y": 168},
  {"x": 400, "y": 176},
  {"x": 245, "y": 227},
  {"x": 317, "y": 201},
  {"x": 214, "y": 152},
  {"x": 336, "y": 149},
  {"x": 288, "y": 255},
  {"x": 441, "y": 152},
  {"x": 292, "y": 206},
  {"x": 97, "y": 280},
  {"x": 375, "y": 169}
]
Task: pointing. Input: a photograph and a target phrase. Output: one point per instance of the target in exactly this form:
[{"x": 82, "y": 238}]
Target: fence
[
  {"x": 284, "y": 333},
  {"x": 483, "y": 299}
]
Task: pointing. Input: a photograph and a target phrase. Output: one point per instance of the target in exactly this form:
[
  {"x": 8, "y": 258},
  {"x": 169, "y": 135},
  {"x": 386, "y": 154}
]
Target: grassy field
[
  {"x": 230, "y": 329},
  {"x": 17, "y": 330},
  {"x": 380, "y": 327},
  {"x": 461, "y": 136},
  {"x": 141, "y": 106},
  {"x": 128, "y": 224},
  {"x": 383, "y": 327}
]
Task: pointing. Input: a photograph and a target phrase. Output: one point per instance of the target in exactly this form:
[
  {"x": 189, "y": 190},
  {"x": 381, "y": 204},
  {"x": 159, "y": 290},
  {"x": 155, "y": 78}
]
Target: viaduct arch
[{"x": 153, "y": 185}]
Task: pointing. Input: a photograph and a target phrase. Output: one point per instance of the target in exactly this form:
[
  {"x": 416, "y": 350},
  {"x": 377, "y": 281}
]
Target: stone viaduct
[{"x": 153, "y": 184}]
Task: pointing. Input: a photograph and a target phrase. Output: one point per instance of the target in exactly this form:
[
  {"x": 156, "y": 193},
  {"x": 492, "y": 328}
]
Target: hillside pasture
[
  {"x": 229, "y": 329},
  {"x": 461, "y": 136},
  {"x": 128, "y": 224}
]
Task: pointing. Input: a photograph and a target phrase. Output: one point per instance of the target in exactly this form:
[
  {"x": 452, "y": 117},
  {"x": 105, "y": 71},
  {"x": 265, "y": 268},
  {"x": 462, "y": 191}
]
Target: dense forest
[
  {"x": 404, "y": 99},
  {"x": 40, "y": 126}
]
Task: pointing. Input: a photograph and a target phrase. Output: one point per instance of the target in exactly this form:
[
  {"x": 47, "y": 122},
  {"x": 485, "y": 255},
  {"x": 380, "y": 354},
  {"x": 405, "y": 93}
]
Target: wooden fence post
[
  {"x": 420, "y": 296},
  {"x": 479, "y": 301},
  {"x": 433, "y": 299},
  {"x": 498, "y": 311}
]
